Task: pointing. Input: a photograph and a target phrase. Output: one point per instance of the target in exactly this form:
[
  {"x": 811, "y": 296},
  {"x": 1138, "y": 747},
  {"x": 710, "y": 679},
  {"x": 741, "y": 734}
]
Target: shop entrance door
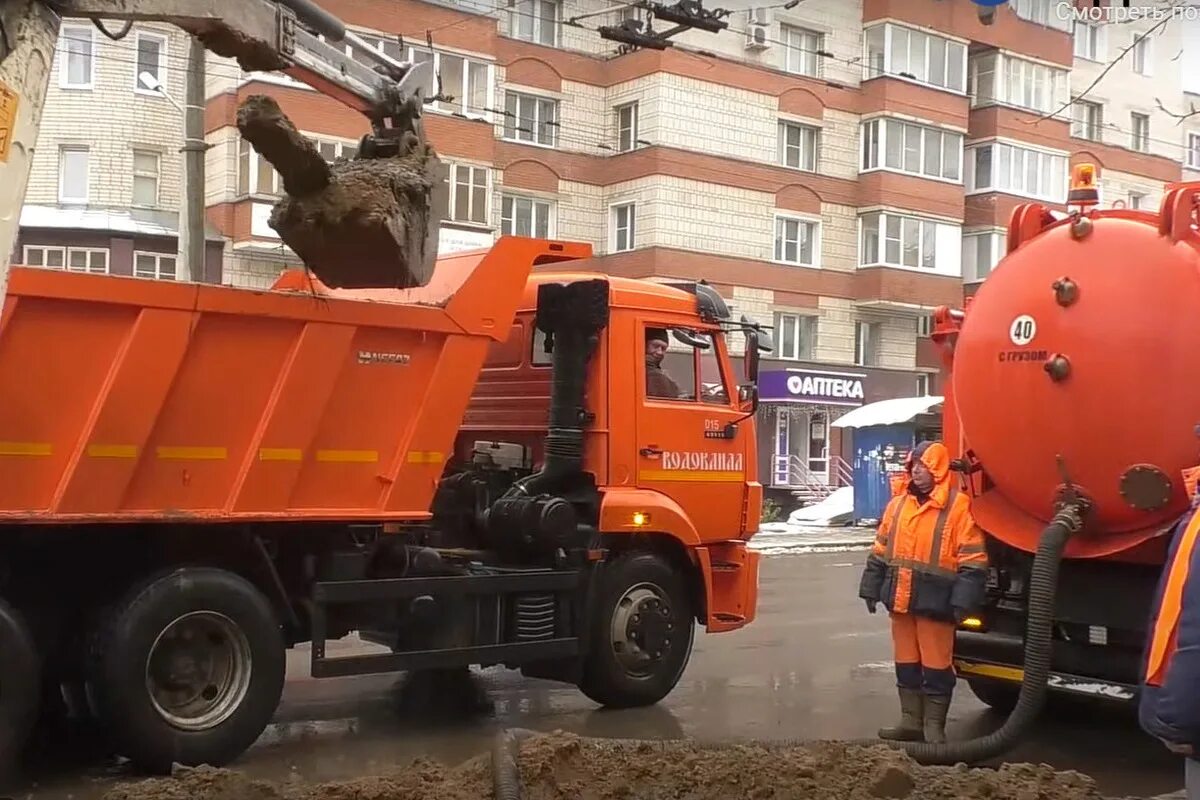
[
  {"x": 792, "y": 447},
  {"x": 818, "y": 446}
]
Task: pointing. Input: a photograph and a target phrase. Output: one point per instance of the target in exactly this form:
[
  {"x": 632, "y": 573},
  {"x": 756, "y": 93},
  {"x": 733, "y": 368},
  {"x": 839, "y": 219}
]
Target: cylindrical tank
[{"x": 1084, "y": 344}]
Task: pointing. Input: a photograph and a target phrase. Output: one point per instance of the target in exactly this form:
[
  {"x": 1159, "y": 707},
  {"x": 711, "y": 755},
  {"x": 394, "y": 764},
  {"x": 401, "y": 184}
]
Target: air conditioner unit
[{"x": 756, "y": 37}]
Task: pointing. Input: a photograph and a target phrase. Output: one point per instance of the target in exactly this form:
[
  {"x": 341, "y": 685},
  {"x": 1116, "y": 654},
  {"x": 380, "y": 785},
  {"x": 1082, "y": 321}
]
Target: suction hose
[{"x": 1043, "y": 585}]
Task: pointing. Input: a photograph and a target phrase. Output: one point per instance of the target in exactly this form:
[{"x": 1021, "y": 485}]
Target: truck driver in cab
[{"x": 658, "y": 382}]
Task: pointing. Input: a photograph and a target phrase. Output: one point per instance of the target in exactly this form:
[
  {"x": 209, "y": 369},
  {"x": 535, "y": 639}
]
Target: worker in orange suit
[{"x": 929, "y": 569}]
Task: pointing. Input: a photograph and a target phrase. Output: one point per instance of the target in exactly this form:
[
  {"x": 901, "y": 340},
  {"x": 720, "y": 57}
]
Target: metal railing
[{"x": 818, "y": 485}]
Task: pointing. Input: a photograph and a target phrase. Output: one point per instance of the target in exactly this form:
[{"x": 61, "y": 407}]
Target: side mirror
[{"x": 752, "y": 356}]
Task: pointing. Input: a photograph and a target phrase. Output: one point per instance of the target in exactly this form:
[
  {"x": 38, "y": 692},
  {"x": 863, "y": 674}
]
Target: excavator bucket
[{"x": 366, "y": 222}]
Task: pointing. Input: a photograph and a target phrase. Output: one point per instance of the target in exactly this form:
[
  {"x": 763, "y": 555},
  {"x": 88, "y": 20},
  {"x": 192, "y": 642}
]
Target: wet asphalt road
[{"x": 814, "y": 665}]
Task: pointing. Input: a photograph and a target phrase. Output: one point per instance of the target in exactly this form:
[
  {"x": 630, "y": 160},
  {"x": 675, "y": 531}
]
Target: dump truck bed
[{"x": 136, "y": 400}]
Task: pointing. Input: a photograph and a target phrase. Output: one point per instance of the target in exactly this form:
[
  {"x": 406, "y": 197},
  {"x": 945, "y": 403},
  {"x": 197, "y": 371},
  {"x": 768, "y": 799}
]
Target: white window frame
[
  {"x": 891, "y": 70},
  {"x": 135, "y": 174},
  {"x": 1043, "y": 12},
  {"x": 1143, "y": 51},
  {"x": 1090, "y": 41},
  {"x": 251, "y": 166},
  {"x": 340, "y": 147},
  {"x": 614, "y": 226},
  {"x": 158, "y": 258},
  {"x": 452, "y": 195},
  {"x": 806, "y": 152},
  {"x": 1193, "y": 150},
  {"x": 461, "y": 92},
  {"x": 508, "y": 222},
  {"x": 64, "y": 68},
  {"x": 162, "y": 40},
  {"x": 778, "y": 250},
  {"x": 800, "y": 322},
  {"x": 1055, "y": 83},
  {"x": 526, "y": 12},
  {"x": 924, "y": 384},
  {"x": 1139, "y": 142},
  {"x": 1081, "y": 126},
  {"x": 66, "y": 253},
  {"x": 880, "y": 258},
  {"x": 874, "y": 135},
  {"x": 801, "y": 50},
  {"x": 996, "y": 241},
  {"x": 1136, "y": 201},
  {"x": 87, "y": 175},
  {"x": 924, "y": 326},
  {"x": 513, "y": 118},
  {"x": 1013, "y": 153},
  {"x": 635, "y": 110},
  {"x": 862, "y": 341}
]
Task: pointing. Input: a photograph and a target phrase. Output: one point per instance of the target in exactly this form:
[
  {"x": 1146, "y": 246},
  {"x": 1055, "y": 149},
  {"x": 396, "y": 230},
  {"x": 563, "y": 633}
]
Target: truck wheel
[
  {"x": 20, "y": 687},
  {"x": 999, "y": 695},
  {"x": 641, "y": 634},
  {"x": 188, "y": 669}
]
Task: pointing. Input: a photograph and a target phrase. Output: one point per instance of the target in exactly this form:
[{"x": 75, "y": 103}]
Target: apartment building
[
  {"x": 104, "y": 187},
  {"x": 836, "y": 169}
]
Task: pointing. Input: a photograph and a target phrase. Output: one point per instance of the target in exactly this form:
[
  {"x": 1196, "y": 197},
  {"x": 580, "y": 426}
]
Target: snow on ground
[{"x": 785, "y": 538}]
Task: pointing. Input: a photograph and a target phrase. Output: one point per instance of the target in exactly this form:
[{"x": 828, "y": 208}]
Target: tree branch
[{"x": 1178, "y": 116}]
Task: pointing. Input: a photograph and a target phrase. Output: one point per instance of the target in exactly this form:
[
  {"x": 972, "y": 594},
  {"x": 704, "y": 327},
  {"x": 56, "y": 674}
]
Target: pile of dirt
[
  {"x": 562, "y": 766},
  {"x": 356, "y": 223}
]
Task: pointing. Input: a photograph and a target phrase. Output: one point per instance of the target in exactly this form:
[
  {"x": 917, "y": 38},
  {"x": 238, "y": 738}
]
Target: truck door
[{"x": 681, "y": 415}]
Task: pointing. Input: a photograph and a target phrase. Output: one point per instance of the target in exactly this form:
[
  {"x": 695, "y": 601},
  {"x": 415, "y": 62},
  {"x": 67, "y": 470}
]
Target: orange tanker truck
[
  {"x": 1069, "y": 406},
  {"x": 195, "y": 478}
]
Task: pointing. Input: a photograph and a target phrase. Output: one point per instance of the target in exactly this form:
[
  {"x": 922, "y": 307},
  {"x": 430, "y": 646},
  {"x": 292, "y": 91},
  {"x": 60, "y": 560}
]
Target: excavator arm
[{"x": 295, "y": 37}]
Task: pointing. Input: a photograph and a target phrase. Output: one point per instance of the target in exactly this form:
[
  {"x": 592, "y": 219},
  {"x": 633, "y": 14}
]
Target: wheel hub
[
  {"x": 198, "y": 671},
  {"x": 642, "y": 628}
]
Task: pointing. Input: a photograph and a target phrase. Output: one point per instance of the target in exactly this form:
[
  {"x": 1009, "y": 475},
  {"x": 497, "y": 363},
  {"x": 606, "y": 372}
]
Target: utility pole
[{"x": 189, "y": 265}]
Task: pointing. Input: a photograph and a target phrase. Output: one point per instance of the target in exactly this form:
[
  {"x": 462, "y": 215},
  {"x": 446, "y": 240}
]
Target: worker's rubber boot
[
  {"x": 936, "y": 708},
  {"x": 912, "y": 704}
]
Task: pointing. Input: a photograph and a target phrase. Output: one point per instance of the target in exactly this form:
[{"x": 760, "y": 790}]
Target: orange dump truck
[{"x": 194, "y": 479}]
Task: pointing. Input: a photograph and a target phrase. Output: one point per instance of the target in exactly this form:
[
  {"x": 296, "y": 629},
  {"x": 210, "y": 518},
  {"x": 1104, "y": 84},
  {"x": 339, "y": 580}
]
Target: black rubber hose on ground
[{"x": 1043, "y": 585}]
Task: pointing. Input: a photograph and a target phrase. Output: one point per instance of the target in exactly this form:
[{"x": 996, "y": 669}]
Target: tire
[
  {"x": 633, "y": 677},
  {"x": 240, "y": 662},
  {"x": 999, "y": 695},
  {"x": 20, "y": 688}
]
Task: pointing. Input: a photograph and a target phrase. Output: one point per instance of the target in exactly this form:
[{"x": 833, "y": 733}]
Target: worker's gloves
[{"x": 871, "y": 604}]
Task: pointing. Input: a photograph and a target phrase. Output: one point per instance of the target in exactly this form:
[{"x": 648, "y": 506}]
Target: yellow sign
[{"x": 8, "y": 119}]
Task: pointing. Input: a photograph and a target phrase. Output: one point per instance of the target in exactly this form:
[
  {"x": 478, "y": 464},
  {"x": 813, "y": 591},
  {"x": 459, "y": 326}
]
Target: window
[
  {"x": 73, "y": 175},
  {"x": 152, "y": 58},
  {"x": 796, "y": 335},
  {"x": 796, "y": 241},
  {"x": 72, "y": 259},
  {"x": 801, "y": 49},
  {"x": 1087, "y": 120},
  {"x": 1140, "y": 133},
  {"x": 1090, "y": 41},
  {"x": 145, "y": 178},
  {"x": 624, "y": 227},
  {"x": 915, "y": 149},
  {"x": 1043, "y": 12},
  {"x": 924, "y": 384},
  {"x": 1136, "y": 200},
  {"x": 999, "y": 167},
  {"x": 467, "y": 80},
  {"x": 689, "y": 374},
  {"x": 899, "y": 240},
  {"x": 160, "y": 266},
  {"x": 534, "y": 21},
  {"x": 1001, "y": 78},
  {"x": 469, "y": 194},
  {"x": 981, "y": 253},
  {"x": 918, "y": 56},
  {"x": 1143, "y": 55},
  {"x": 524, "y": 216},
  {"x": 530, "y": 119},
  {"x": 331, "y": 149},
  {"x": 627, "y": 127},
  {"x": 798, "y": 146},
  {"x": 866, "y": 343},
  {"x": 78, "y": 51},
  {"x": 924, "y": 326},
  {"x": 255, "y": 173},
  {"x": 1193, "y": 153}
]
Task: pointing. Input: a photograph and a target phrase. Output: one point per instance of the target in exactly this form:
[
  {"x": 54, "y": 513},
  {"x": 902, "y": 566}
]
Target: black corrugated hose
[{"x": 1043, "y": 585}]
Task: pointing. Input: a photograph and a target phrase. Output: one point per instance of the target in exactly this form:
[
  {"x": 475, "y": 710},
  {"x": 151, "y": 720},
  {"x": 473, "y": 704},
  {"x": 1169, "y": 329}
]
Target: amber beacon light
[{"x": 1083, "y": 186}]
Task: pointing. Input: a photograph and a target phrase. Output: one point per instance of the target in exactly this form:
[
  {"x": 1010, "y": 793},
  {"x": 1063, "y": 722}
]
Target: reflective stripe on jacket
[
  {"x": 1169, "y": 705},
  {"x": 929, "y": 557}
]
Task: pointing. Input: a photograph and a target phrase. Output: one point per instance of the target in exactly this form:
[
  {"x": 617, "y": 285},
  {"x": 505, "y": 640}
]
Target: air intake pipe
[{"x": 572, "y": 316}]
